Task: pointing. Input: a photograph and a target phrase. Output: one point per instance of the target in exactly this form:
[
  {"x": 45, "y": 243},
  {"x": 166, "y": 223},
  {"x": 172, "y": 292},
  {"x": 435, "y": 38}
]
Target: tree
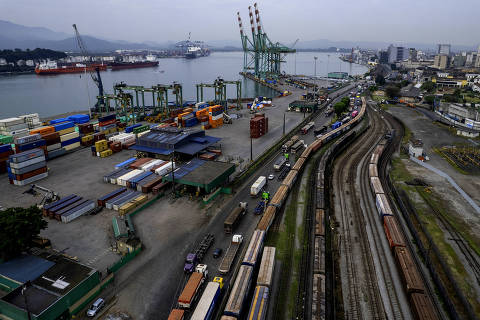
[
  {"x": 19, "y": 227},
  {"x": 392, "y": 91},
  {"x": 404, "y": 83},
  {"x": 428, "y": 86},
  {"x": 339, "y": 107},
  {"x": 373, "y": 88},
  {"x": 429, "y": 99},
  {"x": 380, "y": 80}
]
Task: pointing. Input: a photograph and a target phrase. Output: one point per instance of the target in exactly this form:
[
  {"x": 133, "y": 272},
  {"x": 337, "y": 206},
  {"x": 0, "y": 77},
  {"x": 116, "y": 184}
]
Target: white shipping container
[
  {"x": 258, "y": 185},
  {"x": 209, "y": 297},
  {"x": 10, "y": 122},
  {"x": 150, "y": 164},
  {"x": 122, "y": 181},
  {"x": 167, "y": 168},
  {"x": 265, "y": 274}
]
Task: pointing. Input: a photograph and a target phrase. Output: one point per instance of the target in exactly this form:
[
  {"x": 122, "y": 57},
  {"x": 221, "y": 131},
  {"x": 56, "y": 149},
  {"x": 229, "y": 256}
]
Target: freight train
[
  {"x": 420, "y": 303},
  {"x": 238, "y": 299}
]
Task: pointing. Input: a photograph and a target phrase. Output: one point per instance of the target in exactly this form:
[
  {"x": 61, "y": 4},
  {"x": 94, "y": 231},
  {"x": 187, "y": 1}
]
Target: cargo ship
[
  {"x": 51, "y": 67},
  {"x": 132, "y": 65}
]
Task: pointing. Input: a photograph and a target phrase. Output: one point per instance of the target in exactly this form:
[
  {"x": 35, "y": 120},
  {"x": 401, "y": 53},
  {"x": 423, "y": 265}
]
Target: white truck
[{"x": 258, "y": 186}]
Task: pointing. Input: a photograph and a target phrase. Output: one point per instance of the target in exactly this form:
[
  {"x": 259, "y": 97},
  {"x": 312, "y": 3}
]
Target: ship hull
[
  {"x": 70, "y": 69},
  {"x": 121, "y": 66}
]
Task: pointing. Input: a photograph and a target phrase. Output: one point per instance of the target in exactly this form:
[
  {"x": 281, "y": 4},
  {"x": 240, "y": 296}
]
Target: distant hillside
[
  {"x": 21, "y": 33},
  {"x": 17, "y": 36}
]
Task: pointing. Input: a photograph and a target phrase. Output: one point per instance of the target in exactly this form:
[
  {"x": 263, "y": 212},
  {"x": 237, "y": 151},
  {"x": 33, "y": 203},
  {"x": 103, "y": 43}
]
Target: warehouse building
[
  {"x": 47, "y": 289},
  {"x": 202, "y": 176},
  {"x": 165, "y": 141}
]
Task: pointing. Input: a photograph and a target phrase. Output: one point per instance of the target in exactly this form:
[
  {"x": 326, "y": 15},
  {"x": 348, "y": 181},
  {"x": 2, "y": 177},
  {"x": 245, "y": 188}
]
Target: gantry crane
[
  {"x": 260, "y": 54},
  {"x": 95, "y": 75}
]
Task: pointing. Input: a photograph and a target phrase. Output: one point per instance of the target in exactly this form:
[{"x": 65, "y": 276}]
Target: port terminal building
[{"x": 184, "y": 143}]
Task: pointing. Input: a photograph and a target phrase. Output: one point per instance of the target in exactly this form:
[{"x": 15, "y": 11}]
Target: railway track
[
  {"x": 388, "y": 279},
  {"x": 362, "y": 298}
]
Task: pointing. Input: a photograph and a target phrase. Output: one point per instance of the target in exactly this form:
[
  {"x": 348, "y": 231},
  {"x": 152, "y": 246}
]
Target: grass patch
[
  {"x": 384, "y": 106},
  {"x": 377, "y": 98},
  {"x": 407, "y": 135}
]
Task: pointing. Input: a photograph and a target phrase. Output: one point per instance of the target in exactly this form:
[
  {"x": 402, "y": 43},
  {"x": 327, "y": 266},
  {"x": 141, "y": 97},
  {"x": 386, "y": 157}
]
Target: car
[
  {"x": 96, "y": 306},
  {"x": 287, "y": 164},
  {"x": 271, "y": 177},
  {"x": 217, "y": 253}
]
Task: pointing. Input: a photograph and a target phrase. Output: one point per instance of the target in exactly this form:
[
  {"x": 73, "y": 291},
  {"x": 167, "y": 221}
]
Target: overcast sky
[{"x": 422, "y": 21}]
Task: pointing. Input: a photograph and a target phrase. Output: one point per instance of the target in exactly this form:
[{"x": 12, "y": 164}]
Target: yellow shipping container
[
  {"x": 66, "y": 131},
  {"x": 126, "y": 208},
  {"x": 106, "y": 153},
  {"x": 87, "y": 138}
]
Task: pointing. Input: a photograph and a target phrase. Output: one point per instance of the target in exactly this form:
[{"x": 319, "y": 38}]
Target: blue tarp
[{"x": 25, "y": 267}]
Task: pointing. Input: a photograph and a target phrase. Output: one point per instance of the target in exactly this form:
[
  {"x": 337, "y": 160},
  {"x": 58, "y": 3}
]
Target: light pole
[
  {"x": 315, "y": 75},
  {"x": 328, "y": 61}
]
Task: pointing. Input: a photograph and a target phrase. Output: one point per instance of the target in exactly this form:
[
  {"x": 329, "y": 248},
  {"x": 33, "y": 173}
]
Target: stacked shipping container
[
  {"x": 258, "y": 125},
  {"x": 27, "y": 167}
]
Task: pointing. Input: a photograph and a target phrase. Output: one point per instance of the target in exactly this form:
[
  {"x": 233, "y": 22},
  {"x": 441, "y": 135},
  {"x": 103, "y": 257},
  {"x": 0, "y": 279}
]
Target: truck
[
  {"x": 260, "y": 207},
  {"x": 207, "y": 303},
  {"x": 336, "y": 125},
  {"x": 307, "y": 127},
  {"x": 193, "y": 258},
  {"x": 320, "y": 131},
  {"x": 229, "y": 256},
  {"x": 329, "y": 111},
  {"x": 234, "y": 217},
  {"x": 191, "y": 290},
  {"x": 258, "y": 186},
  {"x": 279, "y": 164},
  {"x": 289, "y": 144}
]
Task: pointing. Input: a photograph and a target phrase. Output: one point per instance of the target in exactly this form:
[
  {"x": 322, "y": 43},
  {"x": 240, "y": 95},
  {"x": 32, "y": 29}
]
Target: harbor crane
[
  {"x": 95, "y": 75},
  {"x": 260, "y": 54}
]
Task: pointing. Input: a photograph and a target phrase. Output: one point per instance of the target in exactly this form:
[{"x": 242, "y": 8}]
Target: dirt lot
[{"x": 434, "y": 135}]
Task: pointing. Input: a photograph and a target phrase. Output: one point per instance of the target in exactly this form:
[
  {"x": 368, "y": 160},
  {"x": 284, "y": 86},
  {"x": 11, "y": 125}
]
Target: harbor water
[{"x": 57, "y": 94}]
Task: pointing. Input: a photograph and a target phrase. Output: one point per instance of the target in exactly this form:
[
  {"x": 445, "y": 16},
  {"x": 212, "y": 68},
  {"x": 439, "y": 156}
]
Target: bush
[
  {"x": 392, "y": 91},
  {"x": 380, "y": 80}
]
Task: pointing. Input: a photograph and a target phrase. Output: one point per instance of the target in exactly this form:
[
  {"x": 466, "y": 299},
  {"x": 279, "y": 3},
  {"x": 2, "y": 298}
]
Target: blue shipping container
[
  {"x": 67, "y": 142},
  {"x": 55, "y": 121},
  {"x": 63, "y": 125},
  {"x": 31, "y": 145}
]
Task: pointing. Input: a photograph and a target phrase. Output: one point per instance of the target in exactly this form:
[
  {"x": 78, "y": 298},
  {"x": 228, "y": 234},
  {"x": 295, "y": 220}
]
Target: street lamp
[
  {"x": 328, "y": 61},
  {"x": 315, "y": 75}
]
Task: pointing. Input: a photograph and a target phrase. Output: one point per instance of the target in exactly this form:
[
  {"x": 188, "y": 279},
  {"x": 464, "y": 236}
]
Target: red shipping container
[
  {"x": 30, "y": 174},
  {"x": 106, "y": 123}
]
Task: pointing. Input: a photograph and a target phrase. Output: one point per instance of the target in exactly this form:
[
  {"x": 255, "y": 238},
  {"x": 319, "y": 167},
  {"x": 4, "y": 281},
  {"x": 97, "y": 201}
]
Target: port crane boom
[{"x": 97, "y": 79}]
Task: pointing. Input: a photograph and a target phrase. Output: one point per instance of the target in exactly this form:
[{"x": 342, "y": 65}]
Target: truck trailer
[
  {"x": 191, "y": 291},
  {"x": 234, "y": 217},
  {"x": 230, "y": 254},
  {"x": 258, "y": 186},
  {"x": 206, "y": 305}
]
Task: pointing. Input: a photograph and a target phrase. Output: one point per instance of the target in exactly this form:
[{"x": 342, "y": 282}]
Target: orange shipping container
[{"x": 43, "y": 130}]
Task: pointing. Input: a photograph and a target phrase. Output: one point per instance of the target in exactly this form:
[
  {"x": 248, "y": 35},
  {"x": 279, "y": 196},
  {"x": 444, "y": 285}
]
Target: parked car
[
  {"x": 96, "y": 306},
  {"x": 217, "y": 253},
  {"x": 271, "y": 177}
]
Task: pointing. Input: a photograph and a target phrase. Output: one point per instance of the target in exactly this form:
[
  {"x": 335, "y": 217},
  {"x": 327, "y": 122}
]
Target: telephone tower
[{"x": 260, "y": 54}]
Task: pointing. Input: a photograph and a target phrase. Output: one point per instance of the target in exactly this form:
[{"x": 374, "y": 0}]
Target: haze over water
[{"x": 56, "y": 94}]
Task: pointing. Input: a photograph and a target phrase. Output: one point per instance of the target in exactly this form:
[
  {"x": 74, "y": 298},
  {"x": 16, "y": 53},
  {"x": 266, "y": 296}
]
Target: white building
[
  {"x": 3, "y": 62},
  {"x": 415, "y": 148},
  {"x": 444, "y": 49},
  {"x": 30, "y": 63}
]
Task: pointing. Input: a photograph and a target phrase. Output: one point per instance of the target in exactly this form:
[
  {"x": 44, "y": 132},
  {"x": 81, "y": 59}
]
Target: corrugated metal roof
[
  {"x": 150, "y": 149},
  {"x": 186, "y": 168},
  {"x": 25, "y": 267}
]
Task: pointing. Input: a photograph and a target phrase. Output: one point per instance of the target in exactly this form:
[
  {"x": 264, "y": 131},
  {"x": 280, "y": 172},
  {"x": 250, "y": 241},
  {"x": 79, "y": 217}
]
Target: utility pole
[
  {"x": 328, "y": 61},
  {"x": 25, "y": 298},
  {"x": 251, "y": 149},
  {"x": 315, "y": 75},
  {"x": 173, "y": 173}
]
